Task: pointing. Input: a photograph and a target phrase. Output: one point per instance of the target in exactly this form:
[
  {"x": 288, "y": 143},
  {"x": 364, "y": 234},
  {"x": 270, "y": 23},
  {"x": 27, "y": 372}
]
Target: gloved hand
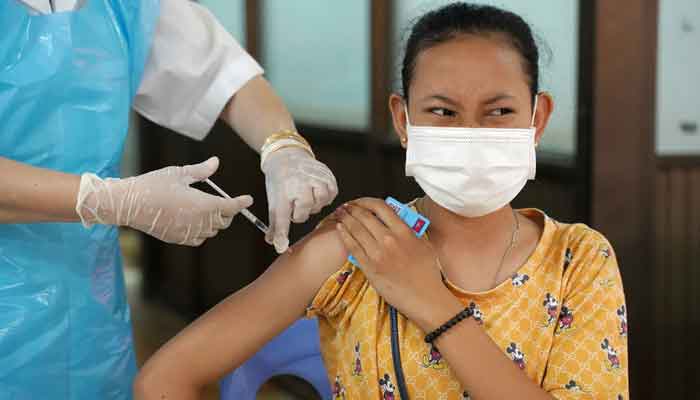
[
  {"x": 297, "y": 185},
  {"x": 160, "y": 203}
]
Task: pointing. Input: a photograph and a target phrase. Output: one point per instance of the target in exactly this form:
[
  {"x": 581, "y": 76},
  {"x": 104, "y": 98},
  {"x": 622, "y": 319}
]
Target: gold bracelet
[
  {"x": 284, "y": 134},
  {"x": 281, "y": 136},
  {"x": 300, "y": 146},
  {"x": 278, "y": 146}
]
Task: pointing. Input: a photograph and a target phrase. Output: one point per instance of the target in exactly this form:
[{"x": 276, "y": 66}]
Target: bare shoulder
[{"x": 314, "y": 258}]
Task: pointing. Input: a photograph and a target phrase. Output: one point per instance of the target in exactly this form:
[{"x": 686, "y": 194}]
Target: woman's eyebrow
[
  {"x": 441, "y": 98},
  {"x": 490, "y": 100},
  {"x": 498, "y": 97}
]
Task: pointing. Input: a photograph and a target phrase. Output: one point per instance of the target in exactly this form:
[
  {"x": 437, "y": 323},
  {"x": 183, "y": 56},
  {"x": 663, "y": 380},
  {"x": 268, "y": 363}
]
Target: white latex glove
[
  {"x": 297, "y": 186},
  {"x": 160, "y": 203}
]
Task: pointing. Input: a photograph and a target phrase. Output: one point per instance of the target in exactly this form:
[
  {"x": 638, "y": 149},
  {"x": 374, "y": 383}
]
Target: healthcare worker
[{"x": 67, "y": 82}]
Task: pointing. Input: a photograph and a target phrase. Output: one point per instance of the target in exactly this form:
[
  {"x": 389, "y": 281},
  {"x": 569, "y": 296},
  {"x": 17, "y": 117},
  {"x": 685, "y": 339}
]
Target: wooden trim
[
  {"x": 693, "y": 374},
  {"x": 622, "y": 160},
  {"x": 661, "y": 287},
  {"x": 668, "y": 162},
  {"x": 675, "y": 277},
  {"x": 381, "y": 16},
  {"x": 381, "y": 21},
  {"x": 647, "y": 379},
  {"x": 686, "y": 286},
  {"x": 253, "y": 28}
]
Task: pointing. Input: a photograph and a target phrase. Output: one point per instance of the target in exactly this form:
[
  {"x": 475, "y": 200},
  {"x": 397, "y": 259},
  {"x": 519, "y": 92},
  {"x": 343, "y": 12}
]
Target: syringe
[{"x": 249, "y": 215}]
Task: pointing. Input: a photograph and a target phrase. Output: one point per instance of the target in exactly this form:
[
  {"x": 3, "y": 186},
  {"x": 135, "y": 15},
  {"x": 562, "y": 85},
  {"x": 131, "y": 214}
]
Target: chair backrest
[{"x": 296, "y": 351}]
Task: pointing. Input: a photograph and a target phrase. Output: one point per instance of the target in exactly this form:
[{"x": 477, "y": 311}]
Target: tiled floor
[{"x": 154, "y": 324}]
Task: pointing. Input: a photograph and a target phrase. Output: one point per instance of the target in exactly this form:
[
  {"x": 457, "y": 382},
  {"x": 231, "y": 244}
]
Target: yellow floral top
[{"x": 561, "y": 318}]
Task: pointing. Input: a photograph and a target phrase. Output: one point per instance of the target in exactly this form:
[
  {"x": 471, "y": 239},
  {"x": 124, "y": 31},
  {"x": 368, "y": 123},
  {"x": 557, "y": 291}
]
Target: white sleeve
[{"x": 194, "y": 68}]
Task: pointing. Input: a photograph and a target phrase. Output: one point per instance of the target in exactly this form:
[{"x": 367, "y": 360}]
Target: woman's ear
[
  {"x": 397, "y": 106},
  {"x": 545, "y": 107}
]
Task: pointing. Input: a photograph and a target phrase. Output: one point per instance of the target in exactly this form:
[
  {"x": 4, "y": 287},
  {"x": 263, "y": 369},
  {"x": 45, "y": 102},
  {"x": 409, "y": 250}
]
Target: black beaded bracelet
[{"x": 464, "y": 314}]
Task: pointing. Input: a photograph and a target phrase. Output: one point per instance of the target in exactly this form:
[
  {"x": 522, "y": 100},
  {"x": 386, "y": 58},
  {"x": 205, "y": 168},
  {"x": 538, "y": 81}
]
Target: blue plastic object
[
  {"x": 417, "y": 222},
  {"x": 296, "y": 351},
  {"x": 66, "y": 85}
]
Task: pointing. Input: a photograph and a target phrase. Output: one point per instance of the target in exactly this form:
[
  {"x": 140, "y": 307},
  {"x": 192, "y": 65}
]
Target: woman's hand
[
  {"x": 297, "y": 185},
  {"x": 402, "y": 268},
  {"x": 160, "y": 203}
]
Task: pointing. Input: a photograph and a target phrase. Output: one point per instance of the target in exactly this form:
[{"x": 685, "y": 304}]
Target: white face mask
[{"x": 471, "y": 171}]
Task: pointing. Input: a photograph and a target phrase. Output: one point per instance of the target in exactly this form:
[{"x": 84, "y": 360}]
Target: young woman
[{"x": 494, "y": 303}]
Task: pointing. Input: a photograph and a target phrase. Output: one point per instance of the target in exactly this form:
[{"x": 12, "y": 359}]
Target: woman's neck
[
  {"x": 477, "y": 254},
  {"x": 446, "y": 226}
]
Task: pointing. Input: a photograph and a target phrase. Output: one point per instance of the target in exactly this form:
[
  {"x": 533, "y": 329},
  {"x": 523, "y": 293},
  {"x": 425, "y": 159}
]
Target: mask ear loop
[
  {"x": 408, "y": 119},
  {"x": 533, "y": 162},
  {"x": 534, "y": 110},
  {"x": 408, "y": 122}
]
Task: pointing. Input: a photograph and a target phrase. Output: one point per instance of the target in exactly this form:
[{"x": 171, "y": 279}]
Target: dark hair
[{"x": 448, "y": 22}]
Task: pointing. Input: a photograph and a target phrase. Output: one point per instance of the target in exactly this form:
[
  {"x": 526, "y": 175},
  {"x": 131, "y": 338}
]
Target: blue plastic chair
[{"x": 296, "y": 351}]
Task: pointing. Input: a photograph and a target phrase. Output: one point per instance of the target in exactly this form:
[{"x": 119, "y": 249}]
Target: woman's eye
[
  {"x": 443, "y": 112},
  {"x": 499, "y": 112}
]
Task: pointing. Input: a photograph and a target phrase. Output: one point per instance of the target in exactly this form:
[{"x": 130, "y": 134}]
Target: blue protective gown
[{"x": 66, "y": 85}]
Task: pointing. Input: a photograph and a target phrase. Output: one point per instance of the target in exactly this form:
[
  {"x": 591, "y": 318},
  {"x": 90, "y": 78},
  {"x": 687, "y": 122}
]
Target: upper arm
[
  {"x": 193, "y": 69},
  {"x": 235, "y": 329}
]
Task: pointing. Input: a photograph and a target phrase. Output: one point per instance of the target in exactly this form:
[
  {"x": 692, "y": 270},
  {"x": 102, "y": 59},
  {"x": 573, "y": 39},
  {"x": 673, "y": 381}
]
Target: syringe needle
[{"x": 249, "y": 215}]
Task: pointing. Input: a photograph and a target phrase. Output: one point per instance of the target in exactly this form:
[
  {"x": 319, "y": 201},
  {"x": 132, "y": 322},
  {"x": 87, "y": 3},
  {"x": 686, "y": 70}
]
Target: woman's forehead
[{"x": 472, "y": 64}]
